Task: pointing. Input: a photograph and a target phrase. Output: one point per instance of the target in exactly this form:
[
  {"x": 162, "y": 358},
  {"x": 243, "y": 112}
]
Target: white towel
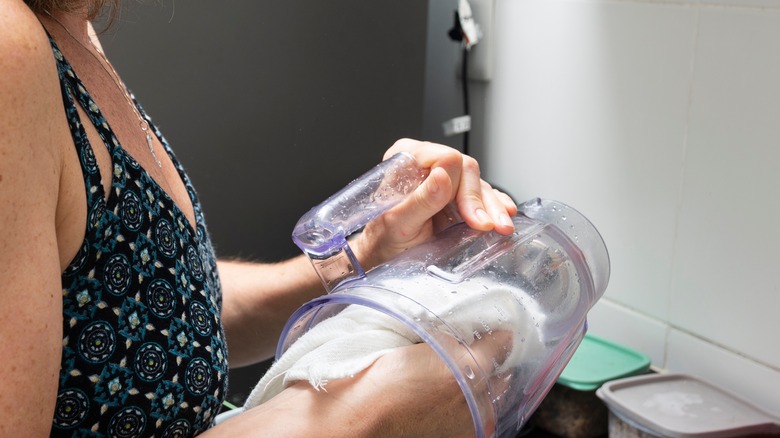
[{"x": 352, "y": 340}]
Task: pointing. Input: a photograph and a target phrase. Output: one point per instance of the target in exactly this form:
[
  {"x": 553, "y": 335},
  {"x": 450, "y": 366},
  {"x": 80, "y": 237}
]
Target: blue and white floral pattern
[{"x": 143, "y": 350}]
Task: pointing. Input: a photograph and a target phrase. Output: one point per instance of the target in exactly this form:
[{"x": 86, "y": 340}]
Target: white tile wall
[
  {"x": 726, "y": 278},
  {"x": 630, "y": 328},
  {"x": 588, "y": 107},
  {"x": 660, "y": 121}
]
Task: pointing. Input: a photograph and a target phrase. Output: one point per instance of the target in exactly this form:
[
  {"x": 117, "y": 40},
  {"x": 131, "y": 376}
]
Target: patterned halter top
[{"x": 143, "y": 350}]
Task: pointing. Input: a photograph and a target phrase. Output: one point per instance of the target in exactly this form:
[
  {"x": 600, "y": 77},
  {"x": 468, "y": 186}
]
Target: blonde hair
[{"x": 93, "y": 8}]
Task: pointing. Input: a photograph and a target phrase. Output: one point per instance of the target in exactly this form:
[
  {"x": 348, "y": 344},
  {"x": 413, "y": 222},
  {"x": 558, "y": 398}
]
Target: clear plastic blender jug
[{"x": 505, "y": 313}]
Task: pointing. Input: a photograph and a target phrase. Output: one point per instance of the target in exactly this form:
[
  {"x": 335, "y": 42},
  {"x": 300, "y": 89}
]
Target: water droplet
[
  {"x": 453, "y": 291},
  {"x": 563, "y": 218},
  {"x": 469, "y": 372}
]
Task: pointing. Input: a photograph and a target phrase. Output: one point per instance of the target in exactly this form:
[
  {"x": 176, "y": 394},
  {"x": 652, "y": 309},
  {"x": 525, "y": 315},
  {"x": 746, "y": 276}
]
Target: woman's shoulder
[
  {"x": 30, "y": 93},
  {"x": 27, "y": 63},
  {"x": 29, "y": 84},
  {"x": 23, "y": 41}
]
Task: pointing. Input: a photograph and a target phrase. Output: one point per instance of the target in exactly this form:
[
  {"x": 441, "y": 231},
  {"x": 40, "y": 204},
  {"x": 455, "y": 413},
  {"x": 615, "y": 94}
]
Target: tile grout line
[
  {"x": 695, "y": 3},
  {"x": 683, "y": 161},
  {"x": 669, "y": 327}
]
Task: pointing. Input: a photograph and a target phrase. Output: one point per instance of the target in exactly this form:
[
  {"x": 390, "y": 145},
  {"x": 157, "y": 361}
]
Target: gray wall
[
  {"x": 443, "y": 96},
  {"x": 443, "y": 85},
  {"x": 273, "y": 105}
]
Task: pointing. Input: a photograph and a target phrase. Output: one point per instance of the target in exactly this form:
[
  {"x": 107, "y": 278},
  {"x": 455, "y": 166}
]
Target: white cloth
[{"x": 349, "y": 342}]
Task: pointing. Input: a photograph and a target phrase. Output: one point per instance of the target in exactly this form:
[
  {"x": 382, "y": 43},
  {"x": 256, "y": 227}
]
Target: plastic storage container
[
  {"x": 598, "y": 360},
  {"x": 679, "y": 406},
  {"x": 504, "y": 313},
  {"x": 571, "y": 409}
]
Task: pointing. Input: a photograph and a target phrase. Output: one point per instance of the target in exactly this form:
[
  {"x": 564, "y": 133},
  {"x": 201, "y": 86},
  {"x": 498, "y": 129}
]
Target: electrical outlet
[
  {"x": 458, "y": 125},
  {"x": 481, "y": 55}
]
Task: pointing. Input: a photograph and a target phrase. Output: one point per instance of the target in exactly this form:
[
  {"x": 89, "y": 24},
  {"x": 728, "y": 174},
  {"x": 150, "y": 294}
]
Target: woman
[{"x": 116, "y": 316}]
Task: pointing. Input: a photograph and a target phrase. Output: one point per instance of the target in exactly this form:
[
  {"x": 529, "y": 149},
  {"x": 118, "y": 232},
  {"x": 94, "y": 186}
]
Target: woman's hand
[
  {"x": 415, "y": 395},
  {"x": 454, "y": 182}
]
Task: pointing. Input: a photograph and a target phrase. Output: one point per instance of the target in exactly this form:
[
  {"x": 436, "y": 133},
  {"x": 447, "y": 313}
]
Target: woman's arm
[
  {"x": 408, "y": 392},
  {"x": 30, "y": 289},
  {"x": 258, "y": 300}
]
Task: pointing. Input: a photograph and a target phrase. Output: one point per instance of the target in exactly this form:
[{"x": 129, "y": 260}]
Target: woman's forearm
[
  {"x": 407, "y": 393},
  {"x": 258, "y": 298},
  {"x": 301, "y": 411}
]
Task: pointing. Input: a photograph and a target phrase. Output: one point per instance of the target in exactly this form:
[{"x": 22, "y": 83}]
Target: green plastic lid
[{"x": 598, "y": 360}]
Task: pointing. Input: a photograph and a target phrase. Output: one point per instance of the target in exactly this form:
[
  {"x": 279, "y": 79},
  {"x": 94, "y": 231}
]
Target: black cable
[
  {"x": 456, "y": 34},
  {"x": 465, "y": 78}
]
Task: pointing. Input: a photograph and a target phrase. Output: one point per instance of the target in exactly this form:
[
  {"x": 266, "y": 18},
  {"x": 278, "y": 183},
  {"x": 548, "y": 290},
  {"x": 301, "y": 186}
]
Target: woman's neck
[{"x": 74, "y": 23}]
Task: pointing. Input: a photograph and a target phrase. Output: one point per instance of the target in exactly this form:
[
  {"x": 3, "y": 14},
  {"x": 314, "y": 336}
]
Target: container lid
[
  {"x": 598, "y": 360},
  {"x": 677, "y": 405}
]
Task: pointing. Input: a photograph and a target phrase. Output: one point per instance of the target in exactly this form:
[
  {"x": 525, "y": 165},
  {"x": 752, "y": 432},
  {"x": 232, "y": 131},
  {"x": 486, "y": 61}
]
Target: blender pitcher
[{"x": 504, "y": 313}]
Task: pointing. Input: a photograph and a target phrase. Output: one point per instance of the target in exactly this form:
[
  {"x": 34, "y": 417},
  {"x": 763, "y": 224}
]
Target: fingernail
[{"x": 506, "y": 221}]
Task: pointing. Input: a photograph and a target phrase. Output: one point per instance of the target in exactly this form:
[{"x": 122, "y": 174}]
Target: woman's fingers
[
  {"x": 500, "y": 207},
  {"x": 432, "y": 155},
  {"x": 469, "y": 197},
  {"x": 479, "y": 205},
  {"x": 453, "y": 191},
  {"x": 412, "y": 218}
]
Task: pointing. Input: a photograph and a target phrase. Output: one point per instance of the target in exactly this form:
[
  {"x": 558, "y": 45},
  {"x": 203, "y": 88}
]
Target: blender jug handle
[{"x": 322, "y": 232}]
